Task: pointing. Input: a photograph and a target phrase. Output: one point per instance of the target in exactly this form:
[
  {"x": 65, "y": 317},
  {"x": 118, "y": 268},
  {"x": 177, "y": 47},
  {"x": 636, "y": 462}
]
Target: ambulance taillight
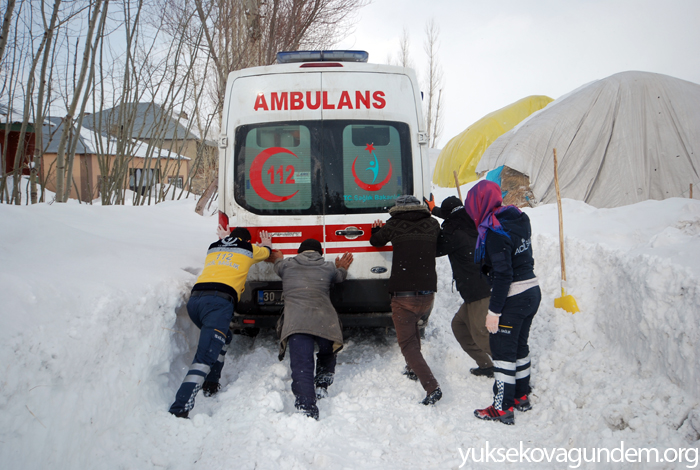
[{"x": 223, "y": 220}]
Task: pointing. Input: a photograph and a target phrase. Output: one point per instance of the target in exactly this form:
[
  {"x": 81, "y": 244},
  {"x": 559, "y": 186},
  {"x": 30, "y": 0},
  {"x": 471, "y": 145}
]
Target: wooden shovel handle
[
  {"x": 561, "y": 222},
  {"x": 459, "y": 191}
]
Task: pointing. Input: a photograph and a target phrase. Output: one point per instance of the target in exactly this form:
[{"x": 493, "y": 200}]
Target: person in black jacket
[
  {"x": 457, "y": 240},
  {"x": 413, "y": 282},
  {"x": 505, "y": 252}
]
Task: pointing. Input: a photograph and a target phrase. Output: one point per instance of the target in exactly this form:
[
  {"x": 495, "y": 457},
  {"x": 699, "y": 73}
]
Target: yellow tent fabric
[{"x": 463, "y": 152}]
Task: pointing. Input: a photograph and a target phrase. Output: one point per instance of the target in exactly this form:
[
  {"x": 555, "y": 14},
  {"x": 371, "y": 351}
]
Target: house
[
  {"x": 10, "y": 129},
  {"x": 101, "y": 160},
  {"x": 168, "y": 130}
]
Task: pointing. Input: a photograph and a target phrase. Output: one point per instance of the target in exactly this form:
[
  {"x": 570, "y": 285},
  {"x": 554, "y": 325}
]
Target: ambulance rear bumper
[{"x": 359, "y": 303}]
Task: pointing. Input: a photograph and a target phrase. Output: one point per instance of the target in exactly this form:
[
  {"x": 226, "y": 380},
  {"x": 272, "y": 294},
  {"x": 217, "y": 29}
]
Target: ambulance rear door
[{"x": 369, "y": 123}]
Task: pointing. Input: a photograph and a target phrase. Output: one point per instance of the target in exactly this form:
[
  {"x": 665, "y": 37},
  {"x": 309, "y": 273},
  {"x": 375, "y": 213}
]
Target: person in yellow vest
[{"x": 211, "y": 306}]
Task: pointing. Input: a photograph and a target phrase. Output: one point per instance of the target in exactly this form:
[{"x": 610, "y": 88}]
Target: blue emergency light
[{"x": 288, "y": 57}]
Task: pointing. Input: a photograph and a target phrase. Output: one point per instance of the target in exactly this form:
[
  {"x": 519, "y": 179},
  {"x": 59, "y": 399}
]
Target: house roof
[
  {"x": 91, "y": 142},
  {"x": 11, "y": 115},
  {"x": 8, "y": 114},
  {"x": 150, "y": 120}
]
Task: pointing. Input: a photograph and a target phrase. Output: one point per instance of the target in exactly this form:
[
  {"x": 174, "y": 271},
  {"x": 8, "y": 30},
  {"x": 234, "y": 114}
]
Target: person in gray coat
[{"x": 309, "y": 318}]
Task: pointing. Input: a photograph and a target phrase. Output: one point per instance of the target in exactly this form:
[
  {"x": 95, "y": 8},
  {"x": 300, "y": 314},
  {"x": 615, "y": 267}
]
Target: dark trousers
[
  {"x": 212, "y": 315},
  {"x": 509, "y": 348},
  {"x": 301, "y": 359},
  {"x": 406, "y": 312},
  {"x": 469, "y": 328}
]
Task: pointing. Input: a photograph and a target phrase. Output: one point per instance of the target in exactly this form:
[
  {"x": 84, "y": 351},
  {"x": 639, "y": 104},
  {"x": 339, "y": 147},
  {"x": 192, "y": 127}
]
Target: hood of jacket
[
  {"x": 515, "y": 223},
  {"x": 310, "y": 258},
  {"x": 409, "y": 212}
]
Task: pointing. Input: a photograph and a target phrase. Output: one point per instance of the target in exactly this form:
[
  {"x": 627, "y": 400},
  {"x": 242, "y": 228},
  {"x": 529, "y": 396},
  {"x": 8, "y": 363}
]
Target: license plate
[{"x": 270, "y": 297}]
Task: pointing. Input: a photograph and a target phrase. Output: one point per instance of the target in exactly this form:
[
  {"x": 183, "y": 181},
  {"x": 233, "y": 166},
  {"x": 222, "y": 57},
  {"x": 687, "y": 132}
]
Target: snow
[{"x": 94, "y": 341}]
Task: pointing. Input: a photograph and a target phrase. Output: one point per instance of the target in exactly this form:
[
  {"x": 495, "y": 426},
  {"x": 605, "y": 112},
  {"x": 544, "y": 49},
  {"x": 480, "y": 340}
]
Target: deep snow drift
[{"x": 94, "y": 341}]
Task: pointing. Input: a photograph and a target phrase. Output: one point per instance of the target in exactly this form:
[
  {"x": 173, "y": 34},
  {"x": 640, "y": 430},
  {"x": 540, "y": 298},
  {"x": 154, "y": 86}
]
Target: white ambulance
[{"x": 319, "y": 146}]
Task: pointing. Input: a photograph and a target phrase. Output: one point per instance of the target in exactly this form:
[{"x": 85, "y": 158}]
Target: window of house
[
  {"x": 175, "y": 181},
  {"x": 143, "y": 179}
]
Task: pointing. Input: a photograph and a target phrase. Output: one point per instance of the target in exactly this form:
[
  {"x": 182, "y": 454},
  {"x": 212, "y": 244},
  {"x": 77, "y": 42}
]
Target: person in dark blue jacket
[{"x": 504, "y": 250}]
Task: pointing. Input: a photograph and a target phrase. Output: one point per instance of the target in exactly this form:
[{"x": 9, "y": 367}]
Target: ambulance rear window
[
  {"x": 372, "y": 166},
  {"x": 321, "y": 167},
  {"x": 274, "y": 168}
]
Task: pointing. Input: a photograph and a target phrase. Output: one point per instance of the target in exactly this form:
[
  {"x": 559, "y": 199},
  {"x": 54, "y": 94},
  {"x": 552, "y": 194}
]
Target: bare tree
[
  {"x": 63, "y": 180},
  {"x": 404, "y": 49},
  {"x": 67, "y": 61},
  {"x": 41, "y": 101},
  {"x": 434, "y": 83},
  {"x": 6, "y": 26},
  {"x": 245, "y": 33}
]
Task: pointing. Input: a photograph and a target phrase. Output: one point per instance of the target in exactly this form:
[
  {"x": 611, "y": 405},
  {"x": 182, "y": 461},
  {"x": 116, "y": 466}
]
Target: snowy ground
[{"x": 94, "y": 341}]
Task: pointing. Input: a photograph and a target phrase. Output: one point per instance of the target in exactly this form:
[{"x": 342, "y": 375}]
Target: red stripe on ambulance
[{"x": 298, "y": 233}]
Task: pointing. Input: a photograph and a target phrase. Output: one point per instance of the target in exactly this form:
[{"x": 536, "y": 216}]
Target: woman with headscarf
[{"x": 504, "y": 250}]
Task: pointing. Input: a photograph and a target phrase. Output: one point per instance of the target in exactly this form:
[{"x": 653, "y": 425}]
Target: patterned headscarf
[{"x": 483, "y": 203}]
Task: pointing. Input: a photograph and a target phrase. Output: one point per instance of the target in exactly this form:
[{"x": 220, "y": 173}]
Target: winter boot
[
  {"x": 182, "y": 414},
  {"x": 486, "y": 371},
  {"x": 492, "y": 414},
  {"x": 308, "y": 410},
  {"x": 210, "y": 388},
  {"x": 322, "y": 381},
  {"x": 409, "y": 373},
  {"x": 523, "y": 403},
  {"x": 432, "y": 397},
  {"x": 321, "y": 392}
]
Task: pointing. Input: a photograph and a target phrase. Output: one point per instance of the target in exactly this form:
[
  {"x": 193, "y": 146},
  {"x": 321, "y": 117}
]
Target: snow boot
[
  {"x": 322, "y": 381},
  {"x": 321, "y": 392},
  {"x": 523, "y": 403},
  {"x": 492, "y": 414},
  {"x": 432, "y": 397},
  {"x": 210, "y": 388},
  {"x": 181, "y": 414},
  {"x": 485, "y": 372},
  {"x": 409, "y": 373},
  {"x": 308, "y": 410}
]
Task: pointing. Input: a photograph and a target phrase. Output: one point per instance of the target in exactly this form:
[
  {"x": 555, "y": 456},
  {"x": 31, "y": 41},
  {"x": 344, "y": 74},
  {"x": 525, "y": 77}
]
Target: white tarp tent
[{"x": 627, "y": 138}]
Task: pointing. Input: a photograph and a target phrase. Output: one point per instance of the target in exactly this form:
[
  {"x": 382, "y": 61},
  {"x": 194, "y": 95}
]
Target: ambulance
[{"x": 319, "y": 145}]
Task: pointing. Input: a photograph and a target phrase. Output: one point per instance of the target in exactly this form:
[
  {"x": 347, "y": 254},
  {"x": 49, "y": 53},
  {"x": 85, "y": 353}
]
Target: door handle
[{"x": 350, "y": 232}]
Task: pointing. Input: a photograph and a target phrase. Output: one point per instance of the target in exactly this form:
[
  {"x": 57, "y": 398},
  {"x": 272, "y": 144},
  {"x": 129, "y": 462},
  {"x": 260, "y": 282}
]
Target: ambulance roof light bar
[{"x": 289, "y": 57}]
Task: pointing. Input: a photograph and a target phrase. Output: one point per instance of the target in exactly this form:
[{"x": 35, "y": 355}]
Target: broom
[{"x": 567, "y": 302}]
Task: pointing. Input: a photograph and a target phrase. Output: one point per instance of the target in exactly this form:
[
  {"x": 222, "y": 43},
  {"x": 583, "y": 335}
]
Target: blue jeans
[{"x": 212, "y": 315}]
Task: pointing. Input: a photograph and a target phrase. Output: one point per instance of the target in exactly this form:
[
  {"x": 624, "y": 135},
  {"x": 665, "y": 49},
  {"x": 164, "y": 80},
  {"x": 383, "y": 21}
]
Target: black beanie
[
  {"x": 242, "y": 233},
  {"x": 449, "y": 204},
  {"x": 310, "y": 244}
]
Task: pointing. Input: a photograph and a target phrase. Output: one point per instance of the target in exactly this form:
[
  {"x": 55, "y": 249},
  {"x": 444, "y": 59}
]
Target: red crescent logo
[
  {"x": 256, "y": 174},
  {"x": 370, "y": 187}
]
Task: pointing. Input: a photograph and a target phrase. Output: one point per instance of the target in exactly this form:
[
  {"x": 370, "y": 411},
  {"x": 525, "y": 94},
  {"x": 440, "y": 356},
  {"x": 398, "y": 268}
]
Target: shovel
[
  {"x": 459, "y": 191},
  {"x": 567, "y": 302}
]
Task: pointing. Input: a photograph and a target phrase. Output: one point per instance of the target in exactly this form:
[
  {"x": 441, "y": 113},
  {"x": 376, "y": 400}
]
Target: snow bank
[{"x": 95, "y": 341}]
